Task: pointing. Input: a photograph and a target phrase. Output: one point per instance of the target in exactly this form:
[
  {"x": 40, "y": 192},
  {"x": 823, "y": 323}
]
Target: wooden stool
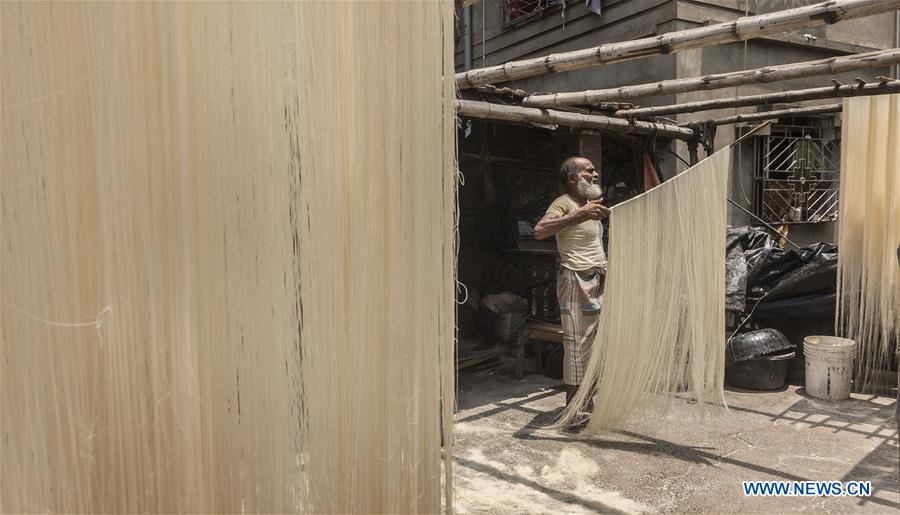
[{"x": 534, "y": 329}]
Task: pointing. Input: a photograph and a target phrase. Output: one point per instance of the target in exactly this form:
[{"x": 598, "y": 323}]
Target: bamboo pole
[
  {"x": 751, "y": 132},
  {"x": 846, "y": 90},
  {"x": 488, "y": 111},
  {"x": 830, "y": 66},
  {"x": 736, "y": 30},
  {"x": 782, "y": 113}
]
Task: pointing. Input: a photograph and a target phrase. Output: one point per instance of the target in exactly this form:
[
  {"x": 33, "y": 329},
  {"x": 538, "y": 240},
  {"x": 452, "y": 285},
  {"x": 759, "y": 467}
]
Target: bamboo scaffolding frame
[
  {"x": 781, "y": 113},
  {"x": 517, "y": 114},
  {"x": 830, "y": 66},
  {"x": 739, "y": 29},
  {"x": 846, "y": 90}
]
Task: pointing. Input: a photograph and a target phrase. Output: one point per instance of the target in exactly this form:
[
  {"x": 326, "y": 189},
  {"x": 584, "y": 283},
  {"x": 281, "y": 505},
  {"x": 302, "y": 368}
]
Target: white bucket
[{"x": 829, "y": 366}]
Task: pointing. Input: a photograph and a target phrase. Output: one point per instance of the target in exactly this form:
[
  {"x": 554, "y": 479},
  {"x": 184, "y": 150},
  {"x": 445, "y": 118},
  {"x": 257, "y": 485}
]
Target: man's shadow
[
  {"x": 649, "y": 446},
  {"x": 540, "y": 429}
]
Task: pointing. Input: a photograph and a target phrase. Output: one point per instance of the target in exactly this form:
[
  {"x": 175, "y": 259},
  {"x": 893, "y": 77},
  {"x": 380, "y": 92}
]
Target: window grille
[{"x": 797, "y": 175}]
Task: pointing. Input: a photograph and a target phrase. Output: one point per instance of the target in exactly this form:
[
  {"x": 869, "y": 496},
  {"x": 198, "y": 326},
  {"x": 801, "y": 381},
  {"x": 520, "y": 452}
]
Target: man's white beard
[{"x": 589, "y": 190}]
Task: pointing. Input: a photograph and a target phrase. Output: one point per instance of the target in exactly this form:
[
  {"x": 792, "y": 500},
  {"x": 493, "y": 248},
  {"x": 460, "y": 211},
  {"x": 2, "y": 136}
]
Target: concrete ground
[{"x": 682, "y": 462}]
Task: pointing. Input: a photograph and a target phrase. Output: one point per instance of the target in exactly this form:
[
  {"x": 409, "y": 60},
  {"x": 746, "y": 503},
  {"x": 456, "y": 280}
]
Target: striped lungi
[{"x": 580, "y": 297}]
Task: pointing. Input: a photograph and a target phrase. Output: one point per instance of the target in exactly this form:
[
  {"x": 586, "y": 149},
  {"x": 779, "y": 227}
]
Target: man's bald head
[{"x": 572, "y": 165}]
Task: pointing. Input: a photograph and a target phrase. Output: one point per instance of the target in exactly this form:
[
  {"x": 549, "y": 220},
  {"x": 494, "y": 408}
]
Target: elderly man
[{"x": 574, "y": 219}]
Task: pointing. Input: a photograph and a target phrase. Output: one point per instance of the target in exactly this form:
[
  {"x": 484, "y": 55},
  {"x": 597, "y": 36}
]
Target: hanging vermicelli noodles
[
  {"x": 227, "y": 261},
  {"x": 868, "y": 308},
  {"x": 662, "y": 328}
]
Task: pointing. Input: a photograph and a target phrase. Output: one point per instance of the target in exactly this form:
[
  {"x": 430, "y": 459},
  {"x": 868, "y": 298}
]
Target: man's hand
[
  {"x": 552, "y": 223},
  {"x": 593, "y": 210}
]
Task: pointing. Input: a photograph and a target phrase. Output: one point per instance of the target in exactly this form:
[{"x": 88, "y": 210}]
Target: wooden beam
[
  {"x": 782, "y": 113},
  {"x": 736, "y": 30},
  {"x": 516, "y": 114},
  {"x": 830, "y": 66},
  {"x": 847, "y": 90}
]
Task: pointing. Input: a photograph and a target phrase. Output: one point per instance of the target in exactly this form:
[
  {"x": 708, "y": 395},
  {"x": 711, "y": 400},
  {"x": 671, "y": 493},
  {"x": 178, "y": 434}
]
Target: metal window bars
[
  {"x": 515, "y": 11},
  {"x": 797, "y": 176}
]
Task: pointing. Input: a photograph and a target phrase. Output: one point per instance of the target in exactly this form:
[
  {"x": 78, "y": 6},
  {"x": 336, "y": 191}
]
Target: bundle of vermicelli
[
  {"x": 226, "y": 256},
  {"x": 662, "y": 327},
  {"x": 868, "y": 309}
]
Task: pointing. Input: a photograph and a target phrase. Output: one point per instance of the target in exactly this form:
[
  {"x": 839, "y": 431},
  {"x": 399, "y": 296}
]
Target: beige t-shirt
[{"x": 580, "y": 246}]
